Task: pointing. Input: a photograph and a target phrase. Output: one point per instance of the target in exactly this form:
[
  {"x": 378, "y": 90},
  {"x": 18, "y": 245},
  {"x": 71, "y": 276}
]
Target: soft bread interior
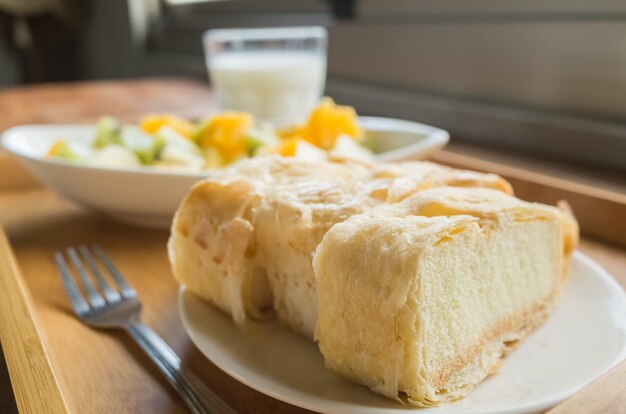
[{"x": 421, "y": 300}]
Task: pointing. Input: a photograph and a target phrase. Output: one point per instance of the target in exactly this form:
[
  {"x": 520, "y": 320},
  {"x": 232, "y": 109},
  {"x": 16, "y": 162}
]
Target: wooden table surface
[{"x": 97, "y": 371}]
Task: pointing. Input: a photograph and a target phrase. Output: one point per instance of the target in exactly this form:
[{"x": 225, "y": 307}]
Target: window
[{"x": 543, "y": 77}]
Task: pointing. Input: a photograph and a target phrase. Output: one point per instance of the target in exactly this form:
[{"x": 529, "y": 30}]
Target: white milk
[{"x": 276, "y": 86}]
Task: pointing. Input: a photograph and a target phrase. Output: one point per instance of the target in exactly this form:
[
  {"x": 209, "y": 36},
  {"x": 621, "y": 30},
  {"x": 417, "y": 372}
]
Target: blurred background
[{"x": 543, "y": 80}]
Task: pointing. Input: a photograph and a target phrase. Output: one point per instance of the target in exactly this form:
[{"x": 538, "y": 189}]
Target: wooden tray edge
[
  {"x": 33, "y": 380},
  {"x": 599, "y": 212}
]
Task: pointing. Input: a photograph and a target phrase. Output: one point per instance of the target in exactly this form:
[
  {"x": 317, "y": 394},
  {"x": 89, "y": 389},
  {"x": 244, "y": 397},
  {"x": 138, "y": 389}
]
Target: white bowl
[{"x": 149, "y": 196}]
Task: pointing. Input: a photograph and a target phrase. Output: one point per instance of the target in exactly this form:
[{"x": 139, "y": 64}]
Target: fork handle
[
  {"x": 170, "y": 365},
  {"x": 217, "y": 404}
]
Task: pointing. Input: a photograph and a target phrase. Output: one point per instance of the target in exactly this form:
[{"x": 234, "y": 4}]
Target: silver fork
[{"x": 106, "y": 307}]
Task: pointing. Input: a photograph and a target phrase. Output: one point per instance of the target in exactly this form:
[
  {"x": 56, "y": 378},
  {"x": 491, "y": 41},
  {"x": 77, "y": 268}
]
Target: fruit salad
[{"x": 168, "y": 141}]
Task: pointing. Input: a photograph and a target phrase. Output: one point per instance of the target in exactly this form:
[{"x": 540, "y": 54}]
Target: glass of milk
[{"x": 277, "y": 74}]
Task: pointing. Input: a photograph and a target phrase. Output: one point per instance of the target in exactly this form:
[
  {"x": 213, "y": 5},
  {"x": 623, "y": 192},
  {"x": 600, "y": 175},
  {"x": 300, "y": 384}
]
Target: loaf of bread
[
  {"x": 415, "y": 279},
  {"x": 420, "y": 300},
  {"x": 244, "y": 239}
]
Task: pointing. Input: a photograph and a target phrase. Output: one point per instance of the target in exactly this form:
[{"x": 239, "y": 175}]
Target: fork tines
[{"x": 98, "y": 293}]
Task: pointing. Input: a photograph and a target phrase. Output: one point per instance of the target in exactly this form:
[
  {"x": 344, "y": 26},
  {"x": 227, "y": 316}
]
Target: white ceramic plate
[
  {"x": 583, "y": 338},
  {"x": 148, "y": 195}
]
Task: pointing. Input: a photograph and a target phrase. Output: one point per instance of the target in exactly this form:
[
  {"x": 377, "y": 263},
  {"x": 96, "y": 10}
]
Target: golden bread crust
[{"x": 382, "y": 262}]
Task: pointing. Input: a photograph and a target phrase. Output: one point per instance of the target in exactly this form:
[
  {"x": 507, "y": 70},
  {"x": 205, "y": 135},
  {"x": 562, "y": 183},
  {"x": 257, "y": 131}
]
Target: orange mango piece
[
  {"x": 226, "y": 132},
  {"x": 152, "y": 123},
  {"x": 329, "y": 121},
  {"x": 287, "y": 147}
]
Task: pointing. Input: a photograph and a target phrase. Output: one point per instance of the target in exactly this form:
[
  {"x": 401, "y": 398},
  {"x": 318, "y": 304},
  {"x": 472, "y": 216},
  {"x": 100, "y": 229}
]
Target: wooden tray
[{"x": 56, "y": 364}]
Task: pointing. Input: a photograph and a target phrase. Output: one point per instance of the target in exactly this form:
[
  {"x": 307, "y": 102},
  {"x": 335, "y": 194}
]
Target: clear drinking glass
[{"x": 277, "y": 74}]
